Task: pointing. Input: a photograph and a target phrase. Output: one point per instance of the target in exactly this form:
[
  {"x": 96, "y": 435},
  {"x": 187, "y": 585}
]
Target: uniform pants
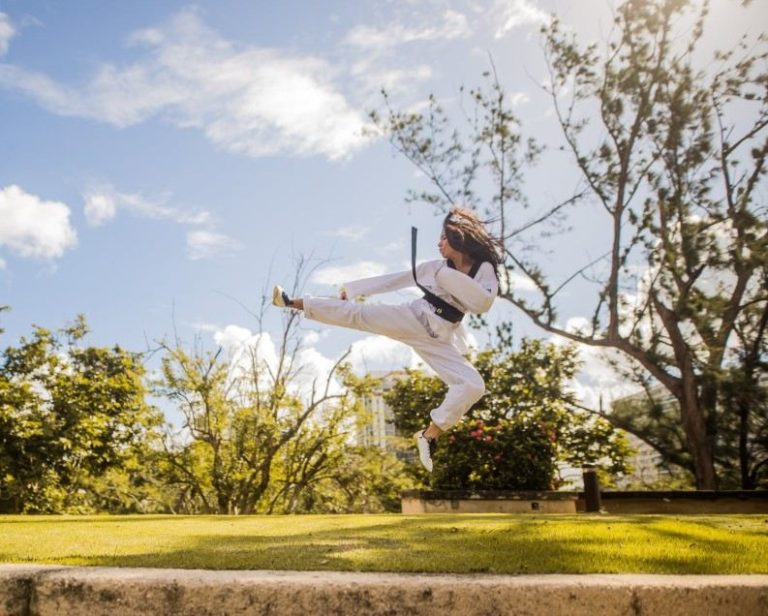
[{"x": 399, "y": 322}]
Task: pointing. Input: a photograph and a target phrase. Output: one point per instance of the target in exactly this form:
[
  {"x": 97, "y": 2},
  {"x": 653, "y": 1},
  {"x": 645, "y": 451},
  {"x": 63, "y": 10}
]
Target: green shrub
[{"x": 513, "y": 454}]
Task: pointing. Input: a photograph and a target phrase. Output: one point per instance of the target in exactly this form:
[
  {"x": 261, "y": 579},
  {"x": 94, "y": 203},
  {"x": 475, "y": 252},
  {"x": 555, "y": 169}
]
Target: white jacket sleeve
[
  {"x": 387, "y": 282},
  {"x": 378, "y": 284},
  {"x": 477, "y": 293}
]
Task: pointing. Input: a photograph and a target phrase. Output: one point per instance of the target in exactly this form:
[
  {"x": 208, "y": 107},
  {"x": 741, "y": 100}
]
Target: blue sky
[{"x": 166, "y": 161}]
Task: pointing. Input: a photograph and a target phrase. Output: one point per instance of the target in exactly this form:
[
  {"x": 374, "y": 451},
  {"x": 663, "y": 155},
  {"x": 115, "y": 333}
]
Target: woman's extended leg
[{"x": 394, "y": 321}]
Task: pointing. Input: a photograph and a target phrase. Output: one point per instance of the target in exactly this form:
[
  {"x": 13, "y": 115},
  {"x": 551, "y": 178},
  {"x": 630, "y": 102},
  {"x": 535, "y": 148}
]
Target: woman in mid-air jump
[{"x": 464, "y": 280}]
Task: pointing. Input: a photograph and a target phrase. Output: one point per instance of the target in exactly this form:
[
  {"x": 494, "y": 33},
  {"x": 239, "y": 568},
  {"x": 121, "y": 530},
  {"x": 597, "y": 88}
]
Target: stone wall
[
  {"x": 463, "y": 501},
  {"x": 97, "y": 591}
]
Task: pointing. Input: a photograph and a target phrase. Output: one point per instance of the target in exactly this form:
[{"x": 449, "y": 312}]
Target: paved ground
[{"x": 95, "y": 591}]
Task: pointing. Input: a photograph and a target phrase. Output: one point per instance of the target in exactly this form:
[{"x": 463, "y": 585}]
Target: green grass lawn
[{"x": 721, "y": 544}]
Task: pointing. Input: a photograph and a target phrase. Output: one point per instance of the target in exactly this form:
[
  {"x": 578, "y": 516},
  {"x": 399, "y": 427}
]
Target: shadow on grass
[
  {"x": 455, "y": 544},
  {"x": 81, "y": 519}
]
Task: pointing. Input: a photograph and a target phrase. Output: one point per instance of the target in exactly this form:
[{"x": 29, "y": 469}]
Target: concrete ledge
[
  {"x": 487, "y": 501},
  {"x": 687, "y": 501},
  {"x": 654, "y": 502},
  {"x": 97, "y": 591}
]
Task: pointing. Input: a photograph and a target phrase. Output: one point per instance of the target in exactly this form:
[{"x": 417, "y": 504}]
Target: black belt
[{"x": 442, "y": 308}]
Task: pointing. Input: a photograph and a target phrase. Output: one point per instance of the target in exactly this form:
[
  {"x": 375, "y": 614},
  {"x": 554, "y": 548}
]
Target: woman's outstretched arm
[{"x": 384, "y": 284}]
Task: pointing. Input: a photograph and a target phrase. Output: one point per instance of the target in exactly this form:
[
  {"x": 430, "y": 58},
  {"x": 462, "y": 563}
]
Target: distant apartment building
[
  {"x": 648, "y": 469},
  {"x": 381, "y": 429},
  {"x": 646, "y": 466}
]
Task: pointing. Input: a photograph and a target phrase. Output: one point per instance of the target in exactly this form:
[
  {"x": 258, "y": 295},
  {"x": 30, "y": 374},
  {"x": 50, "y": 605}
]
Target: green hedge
[{"x": 514, "y": 454}]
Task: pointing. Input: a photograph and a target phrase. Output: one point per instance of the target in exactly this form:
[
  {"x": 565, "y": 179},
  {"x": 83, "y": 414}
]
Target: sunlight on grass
[{"x": 717, "y": 544}]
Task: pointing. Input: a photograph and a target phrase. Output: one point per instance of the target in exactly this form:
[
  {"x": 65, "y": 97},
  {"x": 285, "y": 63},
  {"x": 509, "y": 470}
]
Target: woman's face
[{"x": 446, "y": 250}]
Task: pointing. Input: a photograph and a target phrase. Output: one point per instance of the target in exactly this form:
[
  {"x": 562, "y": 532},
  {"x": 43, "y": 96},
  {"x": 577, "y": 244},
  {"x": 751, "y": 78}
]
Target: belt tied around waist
[{"x": 442, "y": 308}]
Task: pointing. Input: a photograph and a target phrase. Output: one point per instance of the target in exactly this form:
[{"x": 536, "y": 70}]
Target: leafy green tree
[
  {"x": 359, "y": 480},
  {"x": 255, "y": 445},
  {"x": 240, "y": 427},
  {"x": 525, "y": 425},
  {"x": 313, "y": 456},
  {"x": 68, "y": 414},
  {"x": 323, "y": 471},
  {"x": 672, "y": 151},
  {"x": 742, "y": 453},
  {"x": 744, "y": 400},
  {"x": 254, "y": 437}
]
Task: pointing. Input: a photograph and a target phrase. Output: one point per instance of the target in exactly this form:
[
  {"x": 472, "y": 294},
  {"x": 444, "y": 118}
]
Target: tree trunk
[
  {"x": 699, "y": 445},
  {"x": 746, "y": 398},
  {"x": 746, "y": 478}
]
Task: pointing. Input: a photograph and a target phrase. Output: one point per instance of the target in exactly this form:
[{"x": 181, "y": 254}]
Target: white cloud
[
  {"x": 339, "y": 275},
  {"x": 391, "y": 248},
  {"x": 374, "y": 353},
  {"x": 522, "y": 283},
  {"x": 231, "y": 338},
  {"x": 598, "y": 382},
  {"x": 312, "y": 370},
  {"x": 251, "y": 353},
  {"x": 31, "y": 227},
  {"x": 103, "y": 201},
  {"x": 245, "y": 99},
  {"x": 372, "y": 78},
  {"x": 311, "y": 338},
  {"x": 207, "y": 244},
  {"x": 3, "y": 264},
  {"x": 99, "y": 208},
  {"x": 578, "y": 325},
  {"x": 511, "y": 14},
  {"x": 156, "y": 209},
  {"x": 351, "y": 232},
  {"x": 243, "y": 346},
  {"x": 518, "y": 98},
  {"x": 202, "y": 326},
  {"x": 454, "y": 25},
  {"x": 248, "y": 354},
  {"x": 517, "y": 283},
  {"x": 7, "y": 32}
]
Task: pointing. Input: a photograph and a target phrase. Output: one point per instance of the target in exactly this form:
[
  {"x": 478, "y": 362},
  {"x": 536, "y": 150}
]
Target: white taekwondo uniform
[{"x": 440, "y": 343}]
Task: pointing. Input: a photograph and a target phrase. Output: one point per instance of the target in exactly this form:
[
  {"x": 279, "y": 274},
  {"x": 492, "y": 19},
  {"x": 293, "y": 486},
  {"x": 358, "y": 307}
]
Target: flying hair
[{"x": 466, "y": 233}]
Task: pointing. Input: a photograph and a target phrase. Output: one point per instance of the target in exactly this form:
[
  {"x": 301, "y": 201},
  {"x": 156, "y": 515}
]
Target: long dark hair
[{"x": 467, "y": 234}]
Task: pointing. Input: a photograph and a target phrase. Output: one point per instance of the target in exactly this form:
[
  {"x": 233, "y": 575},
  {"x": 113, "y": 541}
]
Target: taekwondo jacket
[{"x": 473, "y": 295}]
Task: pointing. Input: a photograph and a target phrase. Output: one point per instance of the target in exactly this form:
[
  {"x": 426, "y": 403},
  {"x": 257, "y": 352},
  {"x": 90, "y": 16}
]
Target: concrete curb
[{"x": 97, "y": 591}]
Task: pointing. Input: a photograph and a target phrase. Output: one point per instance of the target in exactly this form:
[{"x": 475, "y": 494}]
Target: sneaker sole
[
  {"x": 418, "y": 437},
  {"x": 277, "y": 297}
]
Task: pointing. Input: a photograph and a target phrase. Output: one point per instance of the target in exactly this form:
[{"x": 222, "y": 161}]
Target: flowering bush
[
  {"x": 515, "y": 436},
  {"x": 515, "y": 454}
]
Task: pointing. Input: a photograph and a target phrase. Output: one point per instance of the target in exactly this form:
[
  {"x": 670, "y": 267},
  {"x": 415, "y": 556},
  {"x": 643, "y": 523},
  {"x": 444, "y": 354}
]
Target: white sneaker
[
  {"x": 425, "y": 455},
  {"x": 279, "y": 297}
]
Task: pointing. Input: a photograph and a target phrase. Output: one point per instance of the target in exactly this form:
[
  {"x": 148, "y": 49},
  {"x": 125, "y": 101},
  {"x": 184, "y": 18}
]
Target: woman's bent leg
[{"x": 465, "y": 385}]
